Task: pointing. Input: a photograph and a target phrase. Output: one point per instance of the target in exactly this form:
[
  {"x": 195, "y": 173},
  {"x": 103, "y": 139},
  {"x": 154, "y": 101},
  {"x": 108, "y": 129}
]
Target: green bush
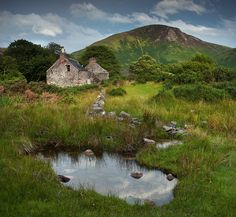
[
  {"x": 199, "y": 92},
  {"x": 163, "y": 96},
  {"x": 229, "y": 87},
  {"x": 117, "y": 92}
]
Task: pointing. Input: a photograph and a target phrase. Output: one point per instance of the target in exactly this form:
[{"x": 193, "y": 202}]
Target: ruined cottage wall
[
  {"x": 59, "y": 76},
  {"x": 102, "y": 76}
]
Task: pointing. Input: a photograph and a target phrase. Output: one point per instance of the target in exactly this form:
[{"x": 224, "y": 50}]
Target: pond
[{"x": 110, "y": 174}]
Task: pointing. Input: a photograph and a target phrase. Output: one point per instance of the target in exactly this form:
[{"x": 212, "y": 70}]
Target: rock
[
  {"x": 120, "y": 119},
  {"x": 167, "y": 144},
  {"x": 136, "y": 175},
  {"x": 167, "y": 128},
  {"x": 170, "y": 177},
  {"x": 136, "y": 121},
  {"x": 180, "y": 131},
  {"x": 149, "y": 141},
  {"x": 149, "y": 202},
  {"x": 63, "y": 179},
  {"x": 111, "y": 114},
  {"x": 97, "y": 109},
  {"x": 125, "y": 115},
  {"x": 89, "y": 153},
  {"x": 2, "y": 89},
  {"x": 132, "y": 125},
  {"x": 173, "y": 123},
  {"x": 129, "y": 149},
  {"x": 100, "y": 102}
]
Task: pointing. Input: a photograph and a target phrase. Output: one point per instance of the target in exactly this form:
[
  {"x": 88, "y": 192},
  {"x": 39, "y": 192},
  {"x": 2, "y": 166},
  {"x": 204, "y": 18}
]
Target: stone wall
[{"x": 59, "y": 76}]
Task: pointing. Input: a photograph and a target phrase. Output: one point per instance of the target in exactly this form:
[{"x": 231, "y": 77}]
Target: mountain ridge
[{"x": 164, "y": 43}]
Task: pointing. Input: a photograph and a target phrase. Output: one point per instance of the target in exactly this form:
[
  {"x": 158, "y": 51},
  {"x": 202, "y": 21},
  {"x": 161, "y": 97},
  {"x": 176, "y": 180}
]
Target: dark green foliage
[
  {"x": 164, "y": 95},
  {"x": 117, "y": 92},
  {"x": 32, "y": 60},
  {"x": 9, "y": 69},
  {"x": 229, "y": 87},
  {"x": 200, "y": 69},
  {"x": 202, "y": 58},
  {"x": 199, "y": 92},
  {"x": 224, "y": 74},
  {"x": 146, "y": 69},
  {"x": 54, "y": 47},
  {"x": 105, "y": 57}
]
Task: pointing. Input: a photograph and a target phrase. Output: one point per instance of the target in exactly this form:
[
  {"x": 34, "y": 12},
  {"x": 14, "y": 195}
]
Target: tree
[
  {"x": 146, "y": 69},
  {"x": 54, "y": 47},
  {"x": 32, "y": 60},
  {"x": 202, "y": 58},
  {"x": 105, "y": 57},
  {"x": 9, "y": 69}
]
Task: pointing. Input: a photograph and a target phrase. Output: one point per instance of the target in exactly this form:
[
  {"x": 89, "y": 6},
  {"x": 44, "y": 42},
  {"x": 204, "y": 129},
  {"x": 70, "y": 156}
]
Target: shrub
[
  {"x": 117, "y": 92},
  {"x": 229, "y": 87},
  {"x": 199, "y": 92},
  {"x": 163, "y": 96}
]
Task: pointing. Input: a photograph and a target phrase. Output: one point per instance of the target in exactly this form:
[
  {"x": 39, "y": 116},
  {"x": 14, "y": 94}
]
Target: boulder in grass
[
  {"x": 148, "y": 141},
  {"x": 125, "y": 115}
]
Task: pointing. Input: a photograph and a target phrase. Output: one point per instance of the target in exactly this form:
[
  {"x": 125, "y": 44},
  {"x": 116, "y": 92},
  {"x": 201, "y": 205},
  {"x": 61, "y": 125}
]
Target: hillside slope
[{"x": 165, "y": 44}]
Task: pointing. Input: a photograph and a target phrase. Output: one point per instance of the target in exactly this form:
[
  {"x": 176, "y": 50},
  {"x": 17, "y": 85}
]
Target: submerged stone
[
  {"x": 136, "y": 175},
  {"x": 170, "y": 177},
  {"x": 89, "y": 153},
  {"x": 110, "y": 174},
  {"x": 63, "y": 179}
]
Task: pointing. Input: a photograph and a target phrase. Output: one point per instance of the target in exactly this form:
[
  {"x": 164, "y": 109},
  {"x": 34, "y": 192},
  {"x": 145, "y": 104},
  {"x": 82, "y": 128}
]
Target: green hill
[{"x": 165, "y": 44}]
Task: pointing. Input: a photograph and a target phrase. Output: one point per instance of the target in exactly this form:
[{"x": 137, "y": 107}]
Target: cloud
[
  {"x": 44, "y": 25},
  {"x": 170, "y": 7},
  {"x": 159, "y": 15},
  {"x": 91, "y": 12},
  {"x": 45, "y": 28}
]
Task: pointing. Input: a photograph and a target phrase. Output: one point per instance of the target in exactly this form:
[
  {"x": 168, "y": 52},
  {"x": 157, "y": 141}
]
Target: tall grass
[{"x": 205, "y": 164}]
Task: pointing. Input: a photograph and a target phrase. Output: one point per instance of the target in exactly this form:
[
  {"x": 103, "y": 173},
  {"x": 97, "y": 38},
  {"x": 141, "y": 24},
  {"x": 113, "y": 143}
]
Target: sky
[{"x": 76, "y": 24}]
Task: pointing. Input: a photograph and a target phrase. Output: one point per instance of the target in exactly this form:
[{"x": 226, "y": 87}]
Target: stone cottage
[{"x": 67, "y": 72}]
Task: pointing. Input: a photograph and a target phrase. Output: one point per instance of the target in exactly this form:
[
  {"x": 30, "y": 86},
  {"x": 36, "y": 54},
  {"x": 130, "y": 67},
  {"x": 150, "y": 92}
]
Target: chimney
[
  {"x": 62, "y": 55},
  {"x": 92, "y": 60}
]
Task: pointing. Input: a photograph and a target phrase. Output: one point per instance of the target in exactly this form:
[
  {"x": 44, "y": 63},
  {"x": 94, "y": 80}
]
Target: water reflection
[{"x": 109, "y": 174}]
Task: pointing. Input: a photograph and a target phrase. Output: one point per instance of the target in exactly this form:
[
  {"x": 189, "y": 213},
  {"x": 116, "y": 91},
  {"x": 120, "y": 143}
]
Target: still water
[{"x": 109, "y": 174}]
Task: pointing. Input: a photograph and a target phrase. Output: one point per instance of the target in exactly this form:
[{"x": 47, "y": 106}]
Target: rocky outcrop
[
  {"x": 97, "y": 109},
  {"x": 173, "y": 130}
]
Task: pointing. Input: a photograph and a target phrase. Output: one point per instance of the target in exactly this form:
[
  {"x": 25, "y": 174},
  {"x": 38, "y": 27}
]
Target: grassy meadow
[{"x": 205, "y": 164}]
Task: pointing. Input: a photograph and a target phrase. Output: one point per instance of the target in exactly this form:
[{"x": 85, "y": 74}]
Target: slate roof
[{"x": 75, "y": 63}]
